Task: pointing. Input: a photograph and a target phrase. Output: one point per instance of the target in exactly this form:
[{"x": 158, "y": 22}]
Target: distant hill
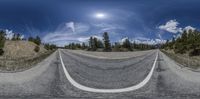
[{"x": 21, "y": 49}]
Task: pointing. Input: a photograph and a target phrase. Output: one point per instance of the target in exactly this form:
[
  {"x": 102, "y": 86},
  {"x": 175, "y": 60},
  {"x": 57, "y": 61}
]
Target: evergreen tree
[
  {"x": 18, "y": 37},
  {"x": 95, "y": 43},
  {"x": 107, "y": 46},
  {"x": 30, "y": 39},
  {"x": 2, "y": 41},
  {"x": 127, "y": 44},
  {"x": 84, "y": 46},
  {"x": 37, "y": 40},
  {"x": 91, "y": 43},
  {"x": 100, "y": 44}
]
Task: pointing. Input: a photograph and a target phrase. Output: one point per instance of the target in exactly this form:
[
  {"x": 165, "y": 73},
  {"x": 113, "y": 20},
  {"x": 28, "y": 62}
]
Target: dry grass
[
  {"x": 21, "y": 64},
  {"x": 20, "y": 55},
  {"x": 184, "y": 59},
  {"x": 21, "y": 49}
]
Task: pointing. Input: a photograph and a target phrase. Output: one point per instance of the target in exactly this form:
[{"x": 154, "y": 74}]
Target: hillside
[
  {"x": 20, "y": 55},
  {"x": 21, "y": 49}
]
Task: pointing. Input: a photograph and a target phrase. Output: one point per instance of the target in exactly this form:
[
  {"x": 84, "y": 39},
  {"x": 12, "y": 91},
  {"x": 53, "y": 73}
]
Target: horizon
[{"x": 62, "y": 22}]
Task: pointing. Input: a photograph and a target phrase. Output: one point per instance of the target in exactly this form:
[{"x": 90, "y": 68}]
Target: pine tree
[
  {"x": 91, "y": 42},
  {"x": 95, "y": 43},
  {"x": 37, "y": 40},
  {"x": 18, "y": 37},
  {"x": 107, "y": 46},
  {"x": 2, "y": 41},
  {"x": 127, "y": 44},
  {"x": 30, "y": 39}
]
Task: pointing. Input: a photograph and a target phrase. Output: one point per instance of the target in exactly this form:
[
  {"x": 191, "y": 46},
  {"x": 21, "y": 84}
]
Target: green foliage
[
  {"x": 37, "y": 49},
  {"x": 127, "y": 44},
  {"x": 1, "y": 52},
  {"x": 31, "y": 39},
  {"x": 189, "y": 41},
  {"x": 84, "y": 46},
  {"x": 194, "y": 52},
  {"x": 94, "y": 44},
  {"x": 16, "y": 37},
  {"x": 75, "y": 46},
  {"x": 50, "y": 46},
  {"x": 2, "y": 41},
  {"x": 35, "y": 40},
  {"x": 97, "y": 44},
  {"x": 107, "y": 45}
]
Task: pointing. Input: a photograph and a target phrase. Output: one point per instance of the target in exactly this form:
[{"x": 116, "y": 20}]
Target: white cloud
[
  {"x": 85, "y": 39},
  {"x": 10, "y": 34},
  {"x": 66, "y": 32},
  {"x": 160, "y": 41},
  {"x": 187, "y": 28},
  {"x": 143, "y": 40},
  {"x": 71, "y": 26},
  {"x": 123, "y": 39},
  {"x": 111, "y": 28},
  {"x": 22, "y": 37},
  {"x": 159, "y": 35},
  {"x": 171, "y": 26}
]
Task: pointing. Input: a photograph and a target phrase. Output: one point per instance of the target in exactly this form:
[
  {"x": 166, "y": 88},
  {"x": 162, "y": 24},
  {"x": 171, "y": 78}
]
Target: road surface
[{"x": 75, "y": 75}]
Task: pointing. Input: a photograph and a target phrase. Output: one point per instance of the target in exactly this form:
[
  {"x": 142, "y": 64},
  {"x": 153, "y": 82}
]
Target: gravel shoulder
[
  {"x": 36, "y": 81},
  {"x": 185, "y": 73},
  {"x": 175, "y": 82}
]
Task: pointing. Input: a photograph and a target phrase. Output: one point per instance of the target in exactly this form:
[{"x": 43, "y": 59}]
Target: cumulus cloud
[
  {"x": 187, "y": 28},
  {"x": 150, "y": 41},
  {"x": 123, "y": 39},
  {"x": 144, "y": 40},
  {"x": 10, "y": 34},
  {"x": 171, "y": 26}
]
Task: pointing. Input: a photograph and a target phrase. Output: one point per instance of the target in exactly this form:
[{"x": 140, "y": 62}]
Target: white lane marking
[{"x": 89, "y": 89}]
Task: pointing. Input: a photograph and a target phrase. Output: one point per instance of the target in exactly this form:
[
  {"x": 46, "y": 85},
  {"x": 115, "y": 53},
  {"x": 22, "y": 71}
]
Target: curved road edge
[{"x": 89, "y": 89}]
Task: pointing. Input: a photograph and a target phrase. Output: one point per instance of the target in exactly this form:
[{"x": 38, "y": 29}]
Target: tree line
[
  {"x": 95, "y": 44},
  {"x": 187, "y": 43}
]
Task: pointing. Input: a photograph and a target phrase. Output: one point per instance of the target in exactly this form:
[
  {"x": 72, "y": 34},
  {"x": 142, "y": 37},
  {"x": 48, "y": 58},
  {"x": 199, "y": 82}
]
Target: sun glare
[{"x": 100, "y": 15}]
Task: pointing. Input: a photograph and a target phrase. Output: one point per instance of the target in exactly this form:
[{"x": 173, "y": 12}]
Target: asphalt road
[{"x": 48, "y": 79}]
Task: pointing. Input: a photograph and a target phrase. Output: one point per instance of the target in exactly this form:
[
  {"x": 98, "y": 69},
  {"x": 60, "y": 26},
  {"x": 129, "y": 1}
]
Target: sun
[{"x": 100, "y": 15}]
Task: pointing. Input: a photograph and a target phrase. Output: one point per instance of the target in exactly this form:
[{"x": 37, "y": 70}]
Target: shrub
[
  {"x": 1, "y": 52},
  {"x": 195, "y": 52},
  {"x": 37, "y": 49}
]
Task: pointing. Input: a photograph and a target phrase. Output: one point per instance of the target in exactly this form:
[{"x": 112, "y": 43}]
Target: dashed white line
[{"x": 89, "y": 89}]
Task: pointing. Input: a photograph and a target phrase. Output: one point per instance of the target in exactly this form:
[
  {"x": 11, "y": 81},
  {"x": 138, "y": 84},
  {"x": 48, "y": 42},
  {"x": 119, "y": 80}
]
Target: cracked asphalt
[{"x": 47, "y": 79}]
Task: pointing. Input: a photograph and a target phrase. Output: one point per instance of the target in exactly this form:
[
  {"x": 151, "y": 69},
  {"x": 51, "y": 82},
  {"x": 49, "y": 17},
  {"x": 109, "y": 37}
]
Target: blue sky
[{"x": 64, "y": 21}]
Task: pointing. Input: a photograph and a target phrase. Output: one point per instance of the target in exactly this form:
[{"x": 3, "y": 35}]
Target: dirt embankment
[
  {"x": 20, "y": 55},
  {"x": 21, "y": 49}
]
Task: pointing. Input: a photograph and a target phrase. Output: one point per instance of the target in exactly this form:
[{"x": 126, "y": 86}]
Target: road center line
[{"x": 89, "y": 89}]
